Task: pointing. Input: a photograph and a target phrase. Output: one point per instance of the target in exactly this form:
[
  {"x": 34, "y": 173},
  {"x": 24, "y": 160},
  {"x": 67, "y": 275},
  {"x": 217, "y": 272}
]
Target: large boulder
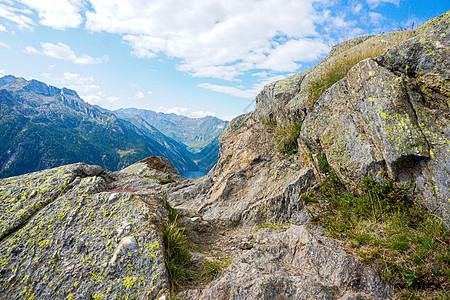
[
  {"x": 77, "y": 232},
  {"x": 390, "y": 118}
]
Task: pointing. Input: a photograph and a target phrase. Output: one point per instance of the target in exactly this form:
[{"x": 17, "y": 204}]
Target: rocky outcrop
[
  {"x": 77, "y": 232},
  {"x": 252, "y": 183},
  {"x": 298, "y": 263},
  {"x": 389, "y": 118},
  {"x": 80, "y": 232}
]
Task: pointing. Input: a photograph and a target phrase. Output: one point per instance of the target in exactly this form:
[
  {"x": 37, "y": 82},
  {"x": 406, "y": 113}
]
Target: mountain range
[{"x": 44, "y": 126}]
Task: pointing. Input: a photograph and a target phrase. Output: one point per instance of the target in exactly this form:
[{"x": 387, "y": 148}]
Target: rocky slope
[
  {"x": 44, "y": 127},
  {"x": 388, "y": 118},
  {"x": 81, "y": 232}
]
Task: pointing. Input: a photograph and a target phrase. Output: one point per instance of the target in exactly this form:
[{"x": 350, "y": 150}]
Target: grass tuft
[
  {"x": 338, "y": 68},
  {"x": 212, "y": 268},
  {"x": 286, "y": 136},
  {"x": 274, "y": 225},
  {"x": 385, "y": 226},
  {"x": 177, "y": 248}
]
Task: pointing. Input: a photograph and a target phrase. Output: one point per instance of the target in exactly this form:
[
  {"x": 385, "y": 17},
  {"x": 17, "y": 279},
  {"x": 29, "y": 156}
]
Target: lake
[{"x": 193, "y": 174}]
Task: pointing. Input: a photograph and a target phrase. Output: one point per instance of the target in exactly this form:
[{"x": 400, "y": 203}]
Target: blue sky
[{"x": 197, "y": 58}]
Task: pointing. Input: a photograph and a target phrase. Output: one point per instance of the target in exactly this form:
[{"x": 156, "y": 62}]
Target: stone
[
  {"x": 298, "y": 263},
  {"x": 65, "y": 235}
]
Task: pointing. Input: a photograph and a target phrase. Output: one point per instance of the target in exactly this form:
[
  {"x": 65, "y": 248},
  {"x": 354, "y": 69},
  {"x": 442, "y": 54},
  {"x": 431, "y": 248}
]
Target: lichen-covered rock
[
  {"x": 251, "y": 183},
  {"x": 390, "y": 117},
  {"x": 289, "y": 99},
  {"x": 76, "y": 232},
  {"x": 294, "y": 264}
]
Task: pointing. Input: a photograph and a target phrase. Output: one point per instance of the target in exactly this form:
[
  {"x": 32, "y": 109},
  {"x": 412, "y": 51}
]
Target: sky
[{"x": 190, "y": 57}]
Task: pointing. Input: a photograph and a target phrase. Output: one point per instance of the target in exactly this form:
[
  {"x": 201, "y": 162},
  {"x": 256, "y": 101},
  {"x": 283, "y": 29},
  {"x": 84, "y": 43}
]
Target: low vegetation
[
  {"x": 385, "y": 226},
  {"x": 286, "y": 136},
  {"x": 177, "y": 249},
  {"x": 212, "y": 268},
  {"x": 338, "y": 68},
  {"x": 274, "y": 225}
]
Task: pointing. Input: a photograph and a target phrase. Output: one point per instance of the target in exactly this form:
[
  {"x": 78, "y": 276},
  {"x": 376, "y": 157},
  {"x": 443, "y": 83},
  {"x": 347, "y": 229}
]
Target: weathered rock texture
[
  {"x": 251, "y": 183},
  {"x": 294, "y": 264},
  {"x": 389, "y": 117},
  {"x": 76, "y": 232}
]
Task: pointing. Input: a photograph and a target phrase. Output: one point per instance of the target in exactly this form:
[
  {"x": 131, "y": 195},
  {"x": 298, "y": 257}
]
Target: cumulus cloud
[
  {"x": 85, "y": 86},
  {"x": 59, "y": 14},
  {"x": 139, "y": 95},
  {"x": 64, "y": 52},
  {"x": 2, "y": 28},
  {"x": 4, "y": 45},
  {"x": 219, "y": 39},
  {"x": 241, "y": 92},
  {"x": 186, "y": 112},
  {"x": 357, "y": 8}
]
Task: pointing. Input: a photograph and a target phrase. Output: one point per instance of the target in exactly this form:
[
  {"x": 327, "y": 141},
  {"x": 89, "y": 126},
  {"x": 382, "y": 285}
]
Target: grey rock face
[
  {"x": 294, "y": 264},
  {"x": 389, "y": 118},
  {"x": 251, "y": 183},
  {"x": 74, "y": 232}
]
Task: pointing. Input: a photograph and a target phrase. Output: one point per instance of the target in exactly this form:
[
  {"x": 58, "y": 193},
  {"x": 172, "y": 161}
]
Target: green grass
[
  {"x": 212, "y": 268},
  {"x": 177, "y": 249},
  {"x": 337, "y": 69},
  {"x": 274, "y": 225},
  {"x": 385, "y": 226},
  {"x": 286, "y": 136}
]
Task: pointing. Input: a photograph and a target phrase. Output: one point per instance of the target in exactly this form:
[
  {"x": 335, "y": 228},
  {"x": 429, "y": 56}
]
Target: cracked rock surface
[{"x": 76, "y": 232}]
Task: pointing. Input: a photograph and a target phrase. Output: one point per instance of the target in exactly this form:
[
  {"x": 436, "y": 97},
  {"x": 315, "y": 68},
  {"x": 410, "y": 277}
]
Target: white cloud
[
  {"x": 150, "y": 92},
  {"x": 219, "y": 39},
  {"x": 17, "y": 16},
  {"x": 85, "y": 87},
  {"x": 63, "y": 51},
  {"x": 2, "y": 28},
  {"x": 375, "y": 18},
  {"x": 357, "y": 8},
  {"x": 233, "y": 91},
  {"x": 2, "y": 73},
  {"x": 375, "y": 3},
  {"x": 31, "y": 50},
  {"x": 4, "y": 45},
  {"x": 285, "y": 57},
  {"x": 60, "y": 14},
  {"x": 139, "y": 95},
  {"x": 186, "y": 112},
  {"x": 242, "y": 92}
]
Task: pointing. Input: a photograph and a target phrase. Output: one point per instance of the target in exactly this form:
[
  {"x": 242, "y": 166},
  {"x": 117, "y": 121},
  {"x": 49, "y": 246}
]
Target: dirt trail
[{"x": 216, "y": 244}]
